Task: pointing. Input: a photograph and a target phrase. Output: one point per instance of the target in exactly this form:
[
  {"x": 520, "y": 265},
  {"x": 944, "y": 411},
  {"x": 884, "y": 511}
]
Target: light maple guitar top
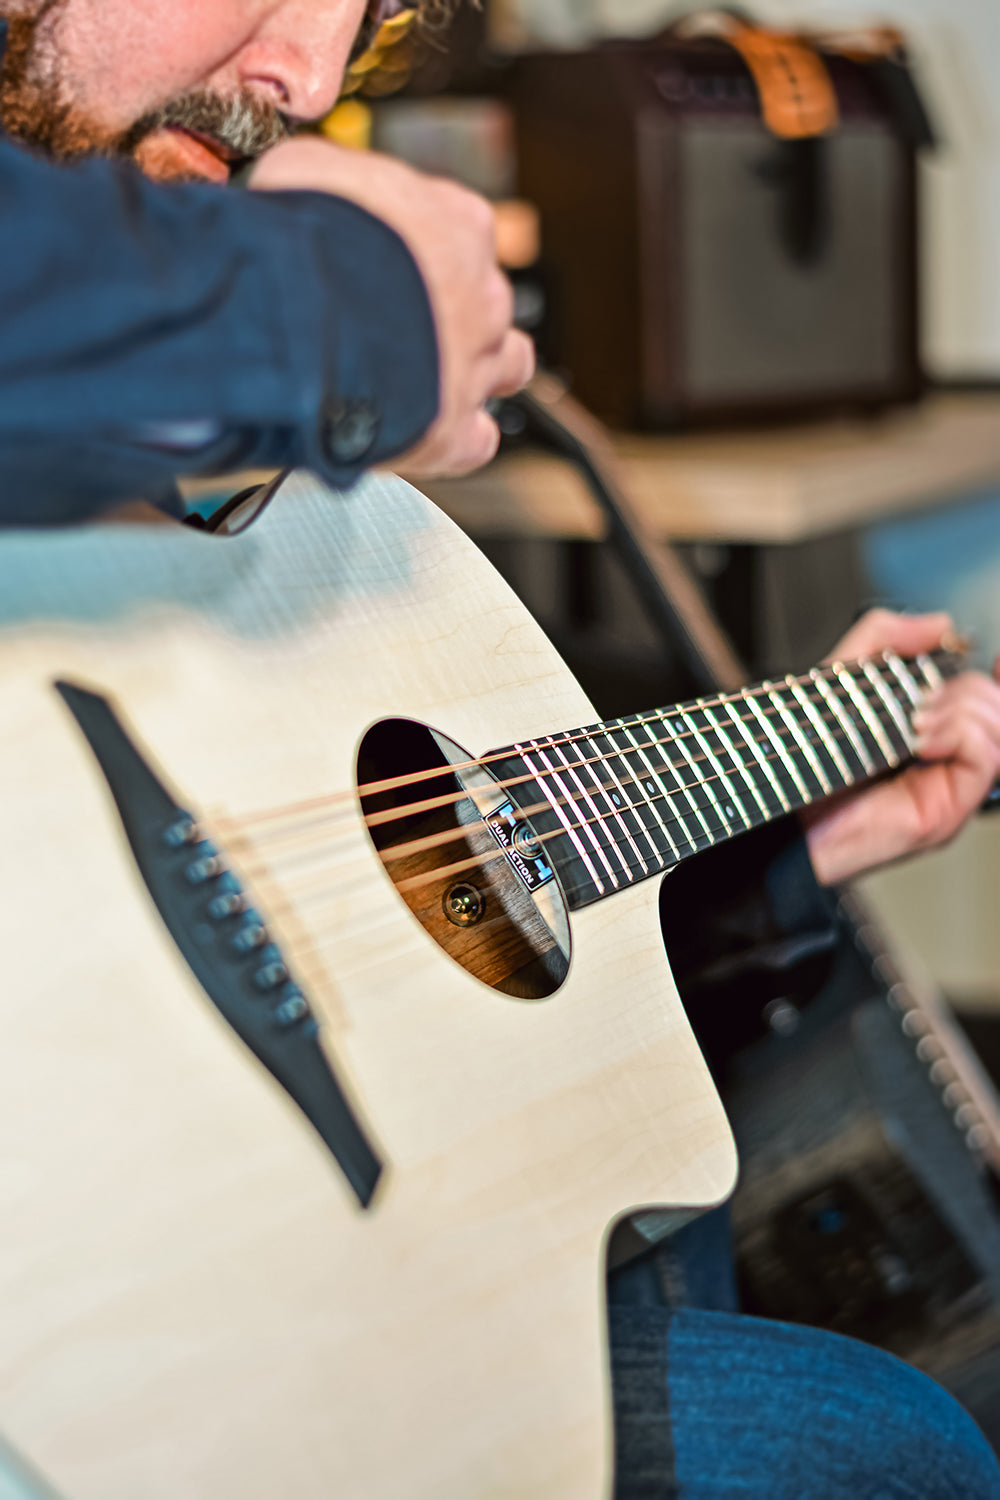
[{"x": 194, "y": 1299}]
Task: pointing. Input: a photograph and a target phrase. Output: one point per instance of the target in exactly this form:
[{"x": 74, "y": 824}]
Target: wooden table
[{"x": 770, "y": 486}]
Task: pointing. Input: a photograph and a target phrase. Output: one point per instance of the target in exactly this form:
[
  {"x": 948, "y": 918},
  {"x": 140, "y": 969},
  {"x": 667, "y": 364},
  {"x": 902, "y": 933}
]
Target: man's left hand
[{"x": 925, "y": 806}]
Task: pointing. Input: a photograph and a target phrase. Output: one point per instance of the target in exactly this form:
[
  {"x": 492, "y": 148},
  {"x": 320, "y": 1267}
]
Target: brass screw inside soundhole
[{"x": 463, "y": 905}]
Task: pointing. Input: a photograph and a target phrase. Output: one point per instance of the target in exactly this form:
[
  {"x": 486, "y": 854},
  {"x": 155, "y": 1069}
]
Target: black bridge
[{"x": 223, "y": 939}]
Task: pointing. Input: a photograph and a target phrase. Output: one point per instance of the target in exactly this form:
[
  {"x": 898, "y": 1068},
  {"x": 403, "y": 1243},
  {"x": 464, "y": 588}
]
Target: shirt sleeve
[{"x": 168, "y": 328}]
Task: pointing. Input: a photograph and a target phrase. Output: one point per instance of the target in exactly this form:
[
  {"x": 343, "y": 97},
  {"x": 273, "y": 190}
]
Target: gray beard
[{"x": 34, "y": 107}]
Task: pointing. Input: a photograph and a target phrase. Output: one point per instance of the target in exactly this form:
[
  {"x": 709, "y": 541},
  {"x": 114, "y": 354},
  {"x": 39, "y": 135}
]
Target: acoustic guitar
[{"x": 336, "y": 1024}]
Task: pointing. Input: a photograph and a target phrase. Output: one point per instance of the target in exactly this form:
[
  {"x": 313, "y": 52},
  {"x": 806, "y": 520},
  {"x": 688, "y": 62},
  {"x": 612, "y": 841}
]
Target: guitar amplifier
[{"x": 702, "y": 268}]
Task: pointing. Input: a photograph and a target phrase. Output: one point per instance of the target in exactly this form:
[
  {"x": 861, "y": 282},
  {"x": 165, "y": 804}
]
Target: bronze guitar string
[
  {"x": 345, "y": 801},
  {"x": 676, "y": 822}
]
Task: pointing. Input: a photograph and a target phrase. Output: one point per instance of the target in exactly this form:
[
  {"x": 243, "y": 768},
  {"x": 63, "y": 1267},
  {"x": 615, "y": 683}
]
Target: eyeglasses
[{"x": 385, "y": 25}]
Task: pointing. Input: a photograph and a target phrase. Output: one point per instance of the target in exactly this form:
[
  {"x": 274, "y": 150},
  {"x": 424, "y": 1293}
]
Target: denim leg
[
  {"x": 693, "y": 1268},
  {"x": 766, "y": 1411}
]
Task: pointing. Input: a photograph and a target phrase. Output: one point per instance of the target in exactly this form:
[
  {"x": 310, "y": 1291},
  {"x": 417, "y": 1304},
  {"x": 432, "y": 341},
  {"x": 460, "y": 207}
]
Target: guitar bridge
[{"x": 223, "y": 939}]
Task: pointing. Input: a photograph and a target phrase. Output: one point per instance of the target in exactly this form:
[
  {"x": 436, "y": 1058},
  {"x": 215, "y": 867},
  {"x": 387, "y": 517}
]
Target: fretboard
[{"x": 617, "y": 802}]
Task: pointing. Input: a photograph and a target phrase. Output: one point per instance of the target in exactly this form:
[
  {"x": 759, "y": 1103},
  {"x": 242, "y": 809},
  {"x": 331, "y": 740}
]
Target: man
[
  {"x": 334, "y": 332},
  {"x": 147, "y": 329}
]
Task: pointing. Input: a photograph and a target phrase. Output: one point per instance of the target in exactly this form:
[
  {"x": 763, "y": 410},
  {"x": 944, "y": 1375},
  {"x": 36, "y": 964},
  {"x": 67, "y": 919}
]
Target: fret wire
[
  {"x": 637, "y": 807},
  {"x": 347, "y": 797},
  {"x": 676, "y": 736},
  {"x": 554, "y": 805},
  {"x": 551, "y": 774},
  {"x": 717, "y": 767},
  {"x": 703, "y": 782},
  {"x": 619, "y": 810},
  {"x": 796, "y": 733},
  {"x": 637, "y": 780},
  {"x": 763, "y": 760},
  {"x": 723, "y": 698},
  {"x": 876, "y": 703},
  {"x": 929, "y": 667},
  {"x": 618, "y": 806},
  {"x": 761, "y": 716},
  {"x": 738, "y": 762},
  {"x": 590, "y": 826},
  {"x": 602, "y": 817},
  {"x": 847, "y": 724},
  {"x": 893, "y": 708},
  {"x": 904, "y": 677},
  {"x": 557, "y": 809},
  {"x": 778, "y": 743},
  {"x": 682, "y": 786},
  {"x": 676, "y": 817},
  {"x": 765, "y": 719},
  {"x": 743, "y": 695},
  {"x": 627, "y": 801},
  {"x": 825, "y": 738},
  {"x": 875, "y": 729},
  {"x": 737, "y": 778},
  {"x": 685, "y": 788}
]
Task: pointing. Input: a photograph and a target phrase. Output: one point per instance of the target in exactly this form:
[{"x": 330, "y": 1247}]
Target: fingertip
[
  {"x": 922, "y": 632},
  {"x": 481, "y": 446},
  {"x": 517, "y": 364},
  {"x": 881, "y": 629}
]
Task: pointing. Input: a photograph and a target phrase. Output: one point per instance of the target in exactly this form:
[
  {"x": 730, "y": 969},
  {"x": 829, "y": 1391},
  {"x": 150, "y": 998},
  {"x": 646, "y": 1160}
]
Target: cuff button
[{"x": 348, "y": 429}]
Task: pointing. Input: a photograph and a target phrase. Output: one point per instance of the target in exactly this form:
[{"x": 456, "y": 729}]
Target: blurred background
[{"x": 762, "y": 247}]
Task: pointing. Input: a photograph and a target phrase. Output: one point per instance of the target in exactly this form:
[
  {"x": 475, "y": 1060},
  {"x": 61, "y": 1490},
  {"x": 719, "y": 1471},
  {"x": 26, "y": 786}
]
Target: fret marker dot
[
  {"x": 650, "y": 787},
  {"x": 730, "y": 813},
  {"x": 616, "y": 799}
]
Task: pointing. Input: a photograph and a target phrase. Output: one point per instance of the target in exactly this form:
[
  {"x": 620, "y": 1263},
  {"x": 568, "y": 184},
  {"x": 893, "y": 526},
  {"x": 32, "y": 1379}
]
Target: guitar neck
[{"x": 617, "y": 802}]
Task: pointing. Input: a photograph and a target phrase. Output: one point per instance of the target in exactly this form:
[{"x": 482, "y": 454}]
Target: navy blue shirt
[{"x": 150, "y": 330}]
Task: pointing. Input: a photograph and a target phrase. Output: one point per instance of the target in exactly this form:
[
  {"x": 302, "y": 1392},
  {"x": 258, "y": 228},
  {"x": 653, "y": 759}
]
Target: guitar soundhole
[{"x": 468, "y": 866}]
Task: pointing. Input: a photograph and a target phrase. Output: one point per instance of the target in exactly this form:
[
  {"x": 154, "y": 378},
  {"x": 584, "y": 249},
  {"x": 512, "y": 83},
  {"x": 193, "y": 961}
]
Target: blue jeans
[{"x": 710, "y": 1404}]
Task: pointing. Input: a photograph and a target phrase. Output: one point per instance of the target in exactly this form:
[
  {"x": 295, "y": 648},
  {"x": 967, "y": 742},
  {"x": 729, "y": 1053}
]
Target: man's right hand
[{"x": 451, "y": 235}]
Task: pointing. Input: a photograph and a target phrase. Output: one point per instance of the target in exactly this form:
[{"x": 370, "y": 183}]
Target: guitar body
[{"x": 193, "y": 1303}]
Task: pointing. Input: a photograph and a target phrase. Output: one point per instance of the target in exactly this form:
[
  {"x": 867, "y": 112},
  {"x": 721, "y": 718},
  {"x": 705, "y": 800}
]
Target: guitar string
[
  {"x": 316, "y": 941},
  {"x": 676, "y": 822},
  {"x": 429, "y": 804},
  {"x": 600, "y": 788},
  {"x": 395, "y": 783},
  {"x": 286, "y": 860},
  {"x": 792, "y": 747},
  {"x": 570, "y": 888}
]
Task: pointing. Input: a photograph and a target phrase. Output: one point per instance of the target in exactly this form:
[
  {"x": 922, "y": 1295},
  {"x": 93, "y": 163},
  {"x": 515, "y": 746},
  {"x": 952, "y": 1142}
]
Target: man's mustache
[{"x": 246, "y": 125}]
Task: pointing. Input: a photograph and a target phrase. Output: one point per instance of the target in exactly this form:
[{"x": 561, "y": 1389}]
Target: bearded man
[
  {"x": 148, "y": 331},
  {"x": 345, "y": 312}
]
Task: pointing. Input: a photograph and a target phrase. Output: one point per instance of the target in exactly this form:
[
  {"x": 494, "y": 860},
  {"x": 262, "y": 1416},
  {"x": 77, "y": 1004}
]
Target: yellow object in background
[
  {"x": 379, "y": 69},
  {"x": 349, "y": 123}
]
